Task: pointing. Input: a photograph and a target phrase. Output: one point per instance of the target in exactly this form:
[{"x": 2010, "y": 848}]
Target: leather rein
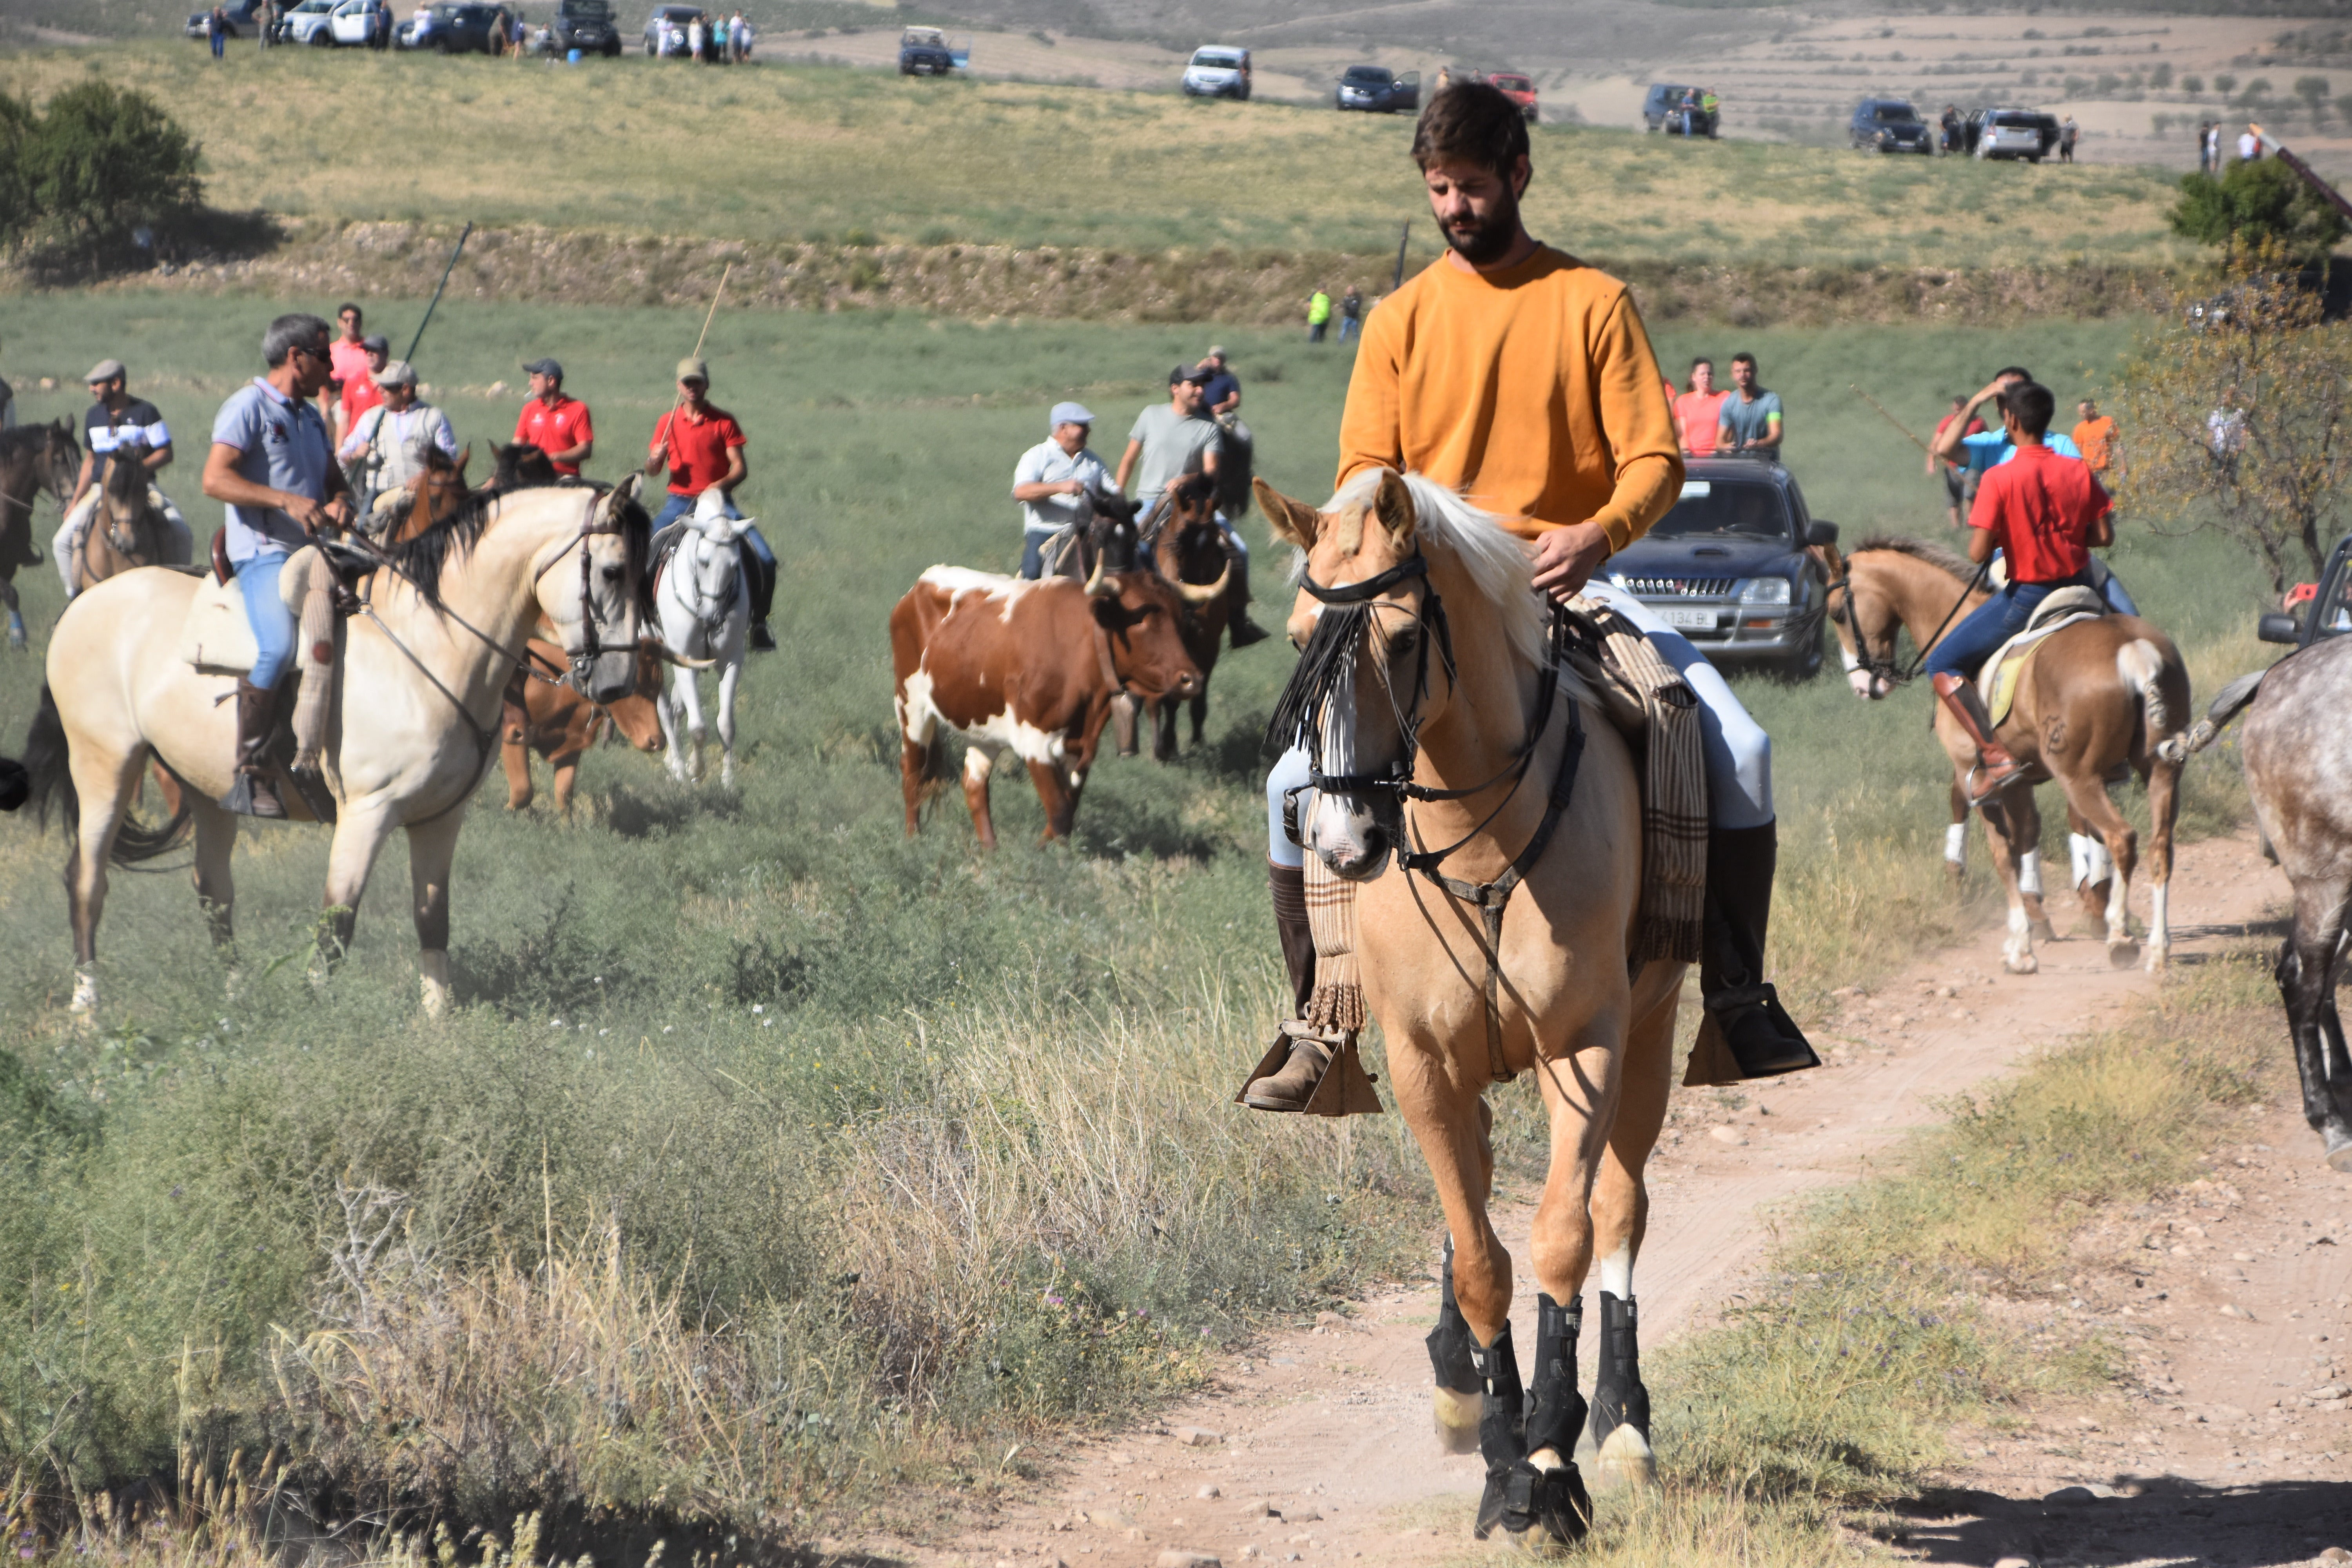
[
  {"x": 1889, "y": 668},
  {"x": 1491, "y": 899}
]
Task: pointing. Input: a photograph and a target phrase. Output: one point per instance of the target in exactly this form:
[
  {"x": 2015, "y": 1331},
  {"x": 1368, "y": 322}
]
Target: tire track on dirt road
[{"x": 1330, "y": 1424}]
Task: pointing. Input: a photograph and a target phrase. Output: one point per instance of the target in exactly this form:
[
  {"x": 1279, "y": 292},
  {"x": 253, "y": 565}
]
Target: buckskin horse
[
  {"x": 412, "y": 725},
  {"x": 1188, "y": 548},
  {"x": 2098, "y": 699},
  {"x": 33, "y": 458},
  {"x": 1437, "y": 714}
]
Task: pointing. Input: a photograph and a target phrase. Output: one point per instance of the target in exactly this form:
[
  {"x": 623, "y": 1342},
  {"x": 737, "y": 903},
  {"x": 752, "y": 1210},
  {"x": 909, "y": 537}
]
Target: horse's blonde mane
[{"x": 1479, "y": 543}]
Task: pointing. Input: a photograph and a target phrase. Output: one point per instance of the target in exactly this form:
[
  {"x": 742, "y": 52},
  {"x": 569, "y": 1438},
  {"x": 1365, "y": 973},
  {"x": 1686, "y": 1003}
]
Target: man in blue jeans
[
  {"x": 2044, "y": 512},
  {"x": 273, "y": 468},
  {"x": 702, "y": 447}
]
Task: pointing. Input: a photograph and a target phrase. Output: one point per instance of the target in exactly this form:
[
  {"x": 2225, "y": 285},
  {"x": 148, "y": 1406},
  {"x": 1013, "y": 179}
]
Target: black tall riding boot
[
  {"x": 253, "y": 794},
  {"x": 1619, "y": 1398},
  {"x": 1739, "y": 1003},
  {"x": 762, "y": 579},
  {"x": 1289, "y": 1087},
  {"x": 1241, "y": 629}
]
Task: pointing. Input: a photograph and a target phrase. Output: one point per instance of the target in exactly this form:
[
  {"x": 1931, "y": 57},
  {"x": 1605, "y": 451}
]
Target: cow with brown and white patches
[{"x": 1026, "y": 667}]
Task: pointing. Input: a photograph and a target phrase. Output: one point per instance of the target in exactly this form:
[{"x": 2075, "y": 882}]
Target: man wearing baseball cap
[
  {"x": 1053, "y": 479},
  {"x": 385, "y": 449},
  {"x": 1168, "y": 441},
  {"x": 362, "y": 393},
  {"x": 557, "y": 424},
  {"x": 118, "y": 428},
  {"x": 703, "y": 447}
]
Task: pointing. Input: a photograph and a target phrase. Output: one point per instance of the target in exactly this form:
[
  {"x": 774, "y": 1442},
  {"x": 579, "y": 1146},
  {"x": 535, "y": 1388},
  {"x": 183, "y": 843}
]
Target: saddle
[{"x": 2004, "y": 672}]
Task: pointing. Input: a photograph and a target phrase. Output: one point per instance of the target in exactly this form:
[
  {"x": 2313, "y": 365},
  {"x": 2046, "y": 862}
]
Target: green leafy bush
[
  {"x": 92, "y": 164},
  {"x": 2255, "y": 205}
]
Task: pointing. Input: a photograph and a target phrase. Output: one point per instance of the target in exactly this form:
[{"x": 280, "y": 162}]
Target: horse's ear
[
  {"x": 1393, "y": 504},
  {"x": 628, "y": 488},
  {"x": 1294, "y": 522},
  {"x": 465, "y": 456}
]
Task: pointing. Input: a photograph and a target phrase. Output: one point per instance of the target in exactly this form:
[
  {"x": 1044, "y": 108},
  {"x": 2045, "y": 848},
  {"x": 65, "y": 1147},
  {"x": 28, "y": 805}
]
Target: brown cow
[
  {"x": 1189, "y": 548},
  {"x": 559, "y": 723},
  {"x": 1030, "y": 669}
]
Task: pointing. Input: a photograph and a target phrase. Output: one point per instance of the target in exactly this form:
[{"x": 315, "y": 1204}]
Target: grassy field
[
  {"x": 908, "y": 1154},
  {"x": 818, "y": 153}
]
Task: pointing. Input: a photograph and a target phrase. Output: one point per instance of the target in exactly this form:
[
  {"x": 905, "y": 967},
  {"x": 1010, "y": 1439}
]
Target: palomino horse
[
  {"x": 1426, "y": 661},
  {"x": 1188, "y": 548},
  {"x": 33, "y": 458},
  {"x": 411, "y": 723},
  {"x": 126, "y": 531},
  {"x": 2099, "y": 697}
]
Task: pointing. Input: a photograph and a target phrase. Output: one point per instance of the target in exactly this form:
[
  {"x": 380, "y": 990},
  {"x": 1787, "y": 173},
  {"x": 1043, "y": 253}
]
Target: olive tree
[{"x": 2237, "y": 411}]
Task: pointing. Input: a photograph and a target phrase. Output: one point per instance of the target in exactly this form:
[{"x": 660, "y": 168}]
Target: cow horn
[
  {"x": 1095, "y": 587},
  {"x": 683, "y": 662},
  {"x": 1203, "y": 592}
]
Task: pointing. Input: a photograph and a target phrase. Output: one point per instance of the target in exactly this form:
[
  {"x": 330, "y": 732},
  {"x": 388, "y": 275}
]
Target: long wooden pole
[
  {"x": 1888, "y": 417},
  {"x": 454, "y": 251},
  {"x": 670, "y": 423}
]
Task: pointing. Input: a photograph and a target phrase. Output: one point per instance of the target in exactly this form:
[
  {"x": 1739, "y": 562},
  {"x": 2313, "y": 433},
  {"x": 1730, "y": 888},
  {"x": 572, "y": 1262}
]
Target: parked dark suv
[
  {"x": 586, "y": 26},
  {"x": 924, "y": 51},
  {"x": 1727, "y": 568},
  {"x": 1890, "y": 125},
  {"x": 1377, "y": 89},
  {"x": 1663, "y": 110}
]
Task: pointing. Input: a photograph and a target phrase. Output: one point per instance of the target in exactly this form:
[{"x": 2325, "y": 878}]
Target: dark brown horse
[
  {"x": 1188, "y": 547},
  {"x": 33, "y": 458}
]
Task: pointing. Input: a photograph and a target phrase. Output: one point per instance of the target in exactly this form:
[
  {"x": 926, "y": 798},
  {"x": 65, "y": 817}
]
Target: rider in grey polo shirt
[{"x": 272, "y": 465}]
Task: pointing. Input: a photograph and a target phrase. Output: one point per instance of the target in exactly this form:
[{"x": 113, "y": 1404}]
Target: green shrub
[
  {"x": 2257, "y": 205},
  {"x": 94, "y": 163}
]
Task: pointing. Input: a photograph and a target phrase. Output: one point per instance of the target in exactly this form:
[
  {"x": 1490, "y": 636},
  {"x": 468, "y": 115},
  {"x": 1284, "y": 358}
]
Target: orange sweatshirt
[{"x": 1533, "y": 390}]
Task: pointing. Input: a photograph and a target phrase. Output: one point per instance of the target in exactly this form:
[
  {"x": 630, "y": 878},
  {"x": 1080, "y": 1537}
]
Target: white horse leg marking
[
  {"x": 728, "y": 677},
  {"x": 2028, "y": 873},
  {"x": 2160, "y": 926},
  {"x": 1956, "y": 844},
  {"x": 2118, "y": 912},
  {"x": 1617, "y": 1272},
  {"x": 686, "y": 760},
  {"x": 2093, "y": 864},
  {"x": 2017, "y": 953}
]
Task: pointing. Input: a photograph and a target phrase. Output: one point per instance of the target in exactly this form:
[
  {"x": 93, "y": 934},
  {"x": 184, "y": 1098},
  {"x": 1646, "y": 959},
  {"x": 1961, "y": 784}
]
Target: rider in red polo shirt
[
  {"x": 702, "y": 447},
  {"x": 2044, "y": 512},
  {"x": 556, "y": 425}
]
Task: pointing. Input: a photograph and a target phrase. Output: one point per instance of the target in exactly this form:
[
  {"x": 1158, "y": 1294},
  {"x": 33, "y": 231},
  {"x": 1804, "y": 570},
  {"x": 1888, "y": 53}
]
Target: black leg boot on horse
[
  {"x": 253, "y": 794},
  {"x": 1456, "y": 1398},
  {"x": 1531, "y": 1481},
  {"x": 1996, "y": 769},
  {"x": 1618, "y": 1441},
  {"x": 1741, "y": 1007}
]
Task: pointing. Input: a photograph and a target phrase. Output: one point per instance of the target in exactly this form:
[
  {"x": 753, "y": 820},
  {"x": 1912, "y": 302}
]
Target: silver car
[
  {"x": 1217, "y": 71},
  {"x": 2026, "y": 133}
]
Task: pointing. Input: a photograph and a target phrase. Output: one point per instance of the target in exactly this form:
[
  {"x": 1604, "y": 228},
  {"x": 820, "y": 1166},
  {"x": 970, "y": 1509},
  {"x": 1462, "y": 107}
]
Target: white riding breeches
[
  {"x": 1739, "y": 752},
  {"x": 178, "y": 550}
]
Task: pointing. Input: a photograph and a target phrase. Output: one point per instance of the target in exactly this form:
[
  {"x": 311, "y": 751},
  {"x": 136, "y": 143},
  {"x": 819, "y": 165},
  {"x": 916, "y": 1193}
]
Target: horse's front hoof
[
  {"x": 1532, "y": 1507},
  {"x": 2123, "y": 955},
  {"x": 85, "y": 994},
  {"x": 2157, "y": 959},
  {"x": 2021, "y": 963},
  {"x": 2339, "y": 1150},
  {"x": 1624, "y": 1461},
  {"x": 1457, "y": 1419}
]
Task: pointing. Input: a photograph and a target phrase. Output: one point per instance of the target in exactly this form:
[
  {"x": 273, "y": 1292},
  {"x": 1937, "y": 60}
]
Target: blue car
[
  {"x": 1376, "y": 89},
  {"x": 1728, "y": 567}
]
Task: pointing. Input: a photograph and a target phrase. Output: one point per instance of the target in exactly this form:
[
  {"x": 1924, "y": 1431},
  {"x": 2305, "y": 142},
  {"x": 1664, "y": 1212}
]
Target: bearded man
[{"x": 1523, "y": 377}]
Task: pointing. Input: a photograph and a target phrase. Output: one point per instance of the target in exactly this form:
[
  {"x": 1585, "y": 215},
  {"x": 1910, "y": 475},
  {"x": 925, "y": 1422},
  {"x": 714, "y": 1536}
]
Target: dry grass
[{"x": 800, "y": 152}]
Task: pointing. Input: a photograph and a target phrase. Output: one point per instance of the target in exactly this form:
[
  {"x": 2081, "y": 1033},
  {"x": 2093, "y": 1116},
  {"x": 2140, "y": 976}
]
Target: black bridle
[
  {"x": 1889, "y": 668},
  {"x": 1330, "y": 657}
]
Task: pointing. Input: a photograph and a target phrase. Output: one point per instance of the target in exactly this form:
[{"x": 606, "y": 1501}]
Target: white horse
[{"x": 705, "y": 608}]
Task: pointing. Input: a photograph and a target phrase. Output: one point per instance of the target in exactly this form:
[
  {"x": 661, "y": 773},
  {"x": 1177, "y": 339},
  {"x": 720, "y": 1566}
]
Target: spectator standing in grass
[
  {"x": 1960, "y": 479},
  {"x": 1053, "y": 480},
  {"x": 1352, "y": 313},
  {"x": 1749, "y": 423},
  {"x": 1319, "y": 314},
  {"x": 1698, "y": 413},
  {"x": 1220, "y": 395},
  {"x": 2067, "y": 133},
  {"x": 350, "y": 356},
  {"x": 703, "y": 447},
  {"x": 2211, "y": 148},
  {"x": 1951, "y": 124},
  {"x": 2095, "y": 435},
  {"x": 362, "y": 393},
  {"x": 2250, "y": 146},
  {"x": 557, "y": 424}
]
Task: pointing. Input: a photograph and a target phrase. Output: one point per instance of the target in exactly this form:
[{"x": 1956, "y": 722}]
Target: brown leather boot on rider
[
  {"x": 1995, "y": 767},
  {"x": 1290, "y": 1087},
  {"x": 256, "y": 721}
]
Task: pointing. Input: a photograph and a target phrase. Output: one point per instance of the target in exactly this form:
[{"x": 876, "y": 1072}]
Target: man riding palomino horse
[
  {"x": 272, "y": 468},
  {"x": 1581, "y": 463},
  {"x": 1522, "y": 378},
  {"x": 118, "y": 428},
  {"x": 2044, "y": 512}
]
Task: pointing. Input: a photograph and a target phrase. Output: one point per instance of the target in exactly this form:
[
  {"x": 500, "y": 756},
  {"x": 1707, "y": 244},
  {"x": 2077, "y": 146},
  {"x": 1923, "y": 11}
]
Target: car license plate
[{"x": 1688, "y": 620}]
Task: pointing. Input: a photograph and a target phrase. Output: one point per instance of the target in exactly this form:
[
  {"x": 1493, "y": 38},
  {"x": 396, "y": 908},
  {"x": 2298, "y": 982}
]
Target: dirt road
[{"x": 1316, "y": 1447}]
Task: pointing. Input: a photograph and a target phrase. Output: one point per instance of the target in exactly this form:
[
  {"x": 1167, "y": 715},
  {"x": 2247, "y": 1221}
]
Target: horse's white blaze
[
  {"x": 2092, "y": 863},
  {"x": 2028, "y": 873},
  {"x": 1956, "y": 844}
]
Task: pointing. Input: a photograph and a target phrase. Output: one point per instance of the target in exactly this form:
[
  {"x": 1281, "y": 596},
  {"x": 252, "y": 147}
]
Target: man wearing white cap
[
  {"x": 118, "y": 428},
  {"x": 1053, "y": 479},
  {"x": 387, "y": 445}
]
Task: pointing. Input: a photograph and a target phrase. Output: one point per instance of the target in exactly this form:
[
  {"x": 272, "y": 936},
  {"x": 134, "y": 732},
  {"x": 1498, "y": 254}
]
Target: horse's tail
[
  {"x": 2144, "y": 664},
  {"x": 2235, "y": 699},
  {"x": 49, "y": 773}
]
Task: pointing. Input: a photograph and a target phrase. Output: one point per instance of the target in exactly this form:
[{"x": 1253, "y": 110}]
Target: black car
[
  {"x": 1377, "y": 89},
  {"x": 241, "y": 16},
  {"x": 1890, "y": 125},
  {"x": 1727, "y": 568},
  {"x": 586, "y": 26},
  {"x": 1670, "y": 107},
  {"x": 2327, "y": 613},
  {"x": 460, "y": 29}
]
